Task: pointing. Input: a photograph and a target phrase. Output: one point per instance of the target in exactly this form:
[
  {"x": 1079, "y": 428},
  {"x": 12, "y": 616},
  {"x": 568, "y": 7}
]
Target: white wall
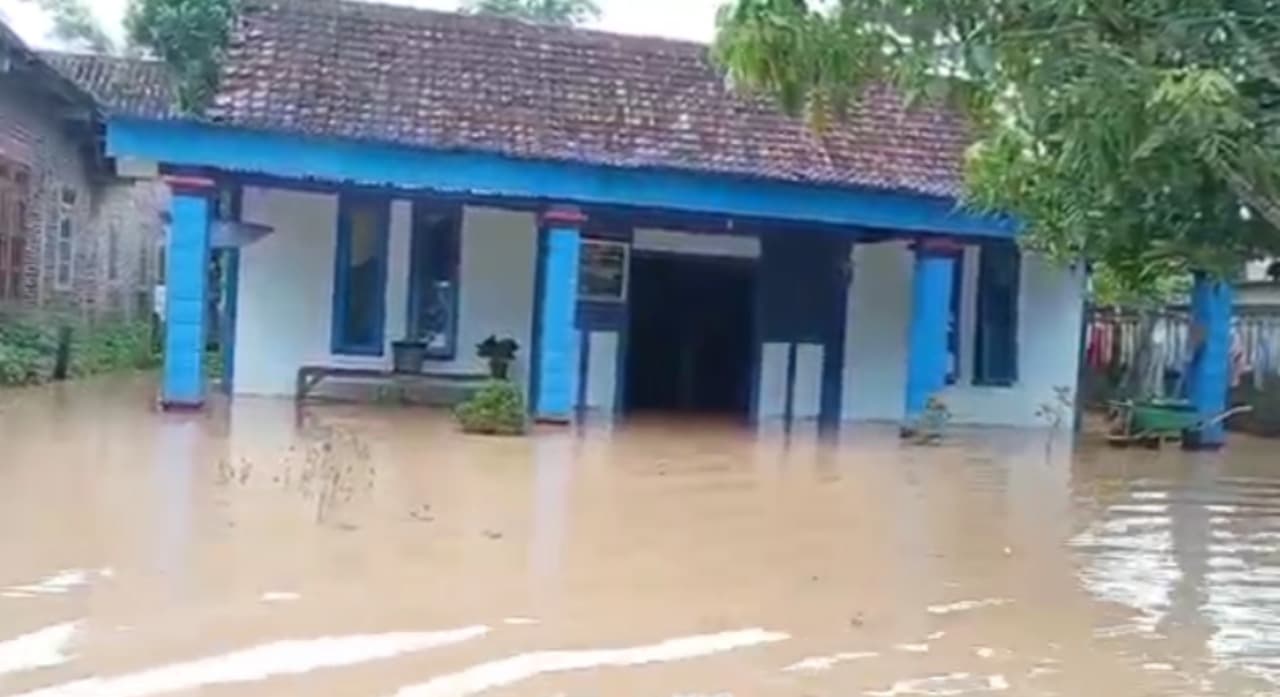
[
  {"x": 286, "y": 287},
  {"x": 771, "y": 400},
  {"x": 879, "y": 309},
  {"x": 1257, "y": 270},
  {"x": 1258, "y": 294},
  {"x": 806, "y": 390},
  {"x": 499, "y": 262},
  {"x": 602, "y": 370},
  {"x": 968, "y": 314},
  {"x": 700, "y": 243},
  {"x": 806, "y": 394},
  {"x": 398, "y": 246},
  {"x": 1049, "y": 315}
]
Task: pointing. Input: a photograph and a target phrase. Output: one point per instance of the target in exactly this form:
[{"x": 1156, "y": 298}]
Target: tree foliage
[
  {"x": 1142, "y": 135},
  {"x": 189, "y": 35},
  {"x": 562, "y": 12}
]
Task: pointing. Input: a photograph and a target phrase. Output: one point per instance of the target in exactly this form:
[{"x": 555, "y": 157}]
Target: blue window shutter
[
  {"x": 996, "y": 340},
  {"x": 435, "y": 257},
  {"x": 359, "y": 285}
]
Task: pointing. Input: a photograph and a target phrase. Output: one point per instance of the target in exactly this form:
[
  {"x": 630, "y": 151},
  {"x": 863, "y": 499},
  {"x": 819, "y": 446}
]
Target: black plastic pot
[
  {"x": 408, "y": 356},
  {"x": 500, "y": 368}
]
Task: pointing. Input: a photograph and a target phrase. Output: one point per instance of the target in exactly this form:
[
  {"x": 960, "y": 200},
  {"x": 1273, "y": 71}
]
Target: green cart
[{"x": 1152, "y": 422}]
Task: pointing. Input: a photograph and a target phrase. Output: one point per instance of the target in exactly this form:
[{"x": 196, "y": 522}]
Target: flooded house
[{"x": 651, "y": 238}]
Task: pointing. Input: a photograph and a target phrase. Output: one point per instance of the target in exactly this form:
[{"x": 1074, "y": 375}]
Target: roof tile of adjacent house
[
  {"x": 128, "y": 86},
  {"x": 441, "y": 80}
]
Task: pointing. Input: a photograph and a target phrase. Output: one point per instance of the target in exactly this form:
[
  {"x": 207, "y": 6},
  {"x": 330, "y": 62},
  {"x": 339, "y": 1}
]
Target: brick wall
[
  {"x": 132, "y": 210},
  {"x": 59, "y": 162}
]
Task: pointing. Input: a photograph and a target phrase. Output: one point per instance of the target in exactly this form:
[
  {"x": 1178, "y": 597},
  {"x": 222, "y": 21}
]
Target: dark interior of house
[{"x": 691, "y": 334}]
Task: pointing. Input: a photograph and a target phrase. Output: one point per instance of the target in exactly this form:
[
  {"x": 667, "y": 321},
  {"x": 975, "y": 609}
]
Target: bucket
[{"x": 408, "y": 356}]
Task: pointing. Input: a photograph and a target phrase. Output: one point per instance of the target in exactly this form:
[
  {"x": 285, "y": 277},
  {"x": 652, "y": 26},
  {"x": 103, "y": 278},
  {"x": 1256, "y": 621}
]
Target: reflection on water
[
  {"x": 269, "y": 552},
  {"x": 1194, "y": 550}
]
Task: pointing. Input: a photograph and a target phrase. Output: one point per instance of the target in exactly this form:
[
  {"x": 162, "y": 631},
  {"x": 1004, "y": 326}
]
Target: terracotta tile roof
[
  {"x": 21, "y": 60},
  {"x": 452, "y": 81},
  {"x": 129, "y": 86}
]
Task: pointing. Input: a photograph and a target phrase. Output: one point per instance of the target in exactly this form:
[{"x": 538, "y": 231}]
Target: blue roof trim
[{"x": 298, "y": 156}]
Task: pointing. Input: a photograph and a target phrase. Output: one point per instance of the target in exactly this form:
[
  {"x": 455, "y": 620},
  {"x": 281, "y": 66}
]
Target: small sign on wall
[{"x": 602, "y": 271}]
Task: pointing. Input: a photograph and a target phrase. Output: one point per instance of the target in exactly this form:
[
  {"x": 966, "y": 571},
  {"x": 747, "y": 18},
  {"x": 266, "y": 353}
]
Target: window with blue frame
[
  {"x": 360, "y": 276},
  {"x": 435, "y": 254},
  {"x": 996, "y": 328}
]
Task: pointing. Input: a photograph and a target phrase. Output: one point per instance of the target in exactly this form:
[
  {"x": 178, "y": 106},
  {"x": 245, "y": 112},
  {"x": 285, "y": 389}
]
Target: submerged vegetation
[
  {"x": 497, "y": 409},
  {"x": 1055, "y": 413},
  {"x": 931, "y": 427},
  {"x": 329, "y": 472}
]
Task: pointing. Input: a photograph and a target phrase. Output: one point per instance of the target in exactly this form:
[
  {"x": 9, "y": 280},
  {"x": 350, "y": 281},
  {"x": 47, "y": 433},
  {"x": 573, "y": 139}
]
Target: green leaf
[{"x": 1127, "y": 133}]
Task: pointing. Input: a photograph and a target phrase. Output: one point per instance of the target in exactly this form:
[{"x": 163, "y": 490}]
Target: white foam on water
[
  {"x": 1157, "y": 667},
  {"x": 913, "y": 648},
  {"x": 985, "y": 652},
  {"x": 945, "y": 686},
  {"x": 967, "y": 605},
  {"x": 42, "y": 648},
  {"x": 1119, "y": 630},
  {"x": 279, "y": 597},
  {"x": 56, "y": 584},
  {"x": 1149, "y": 495},
  {"x": 289, "y": 657},
  {"x": 820, "y": 663},
  {"x": 519, "y": 621},
  {"x": 1140, "y": 508},
  {"x": 936, "y": 635},
  {"x": 508, "y": 671}
]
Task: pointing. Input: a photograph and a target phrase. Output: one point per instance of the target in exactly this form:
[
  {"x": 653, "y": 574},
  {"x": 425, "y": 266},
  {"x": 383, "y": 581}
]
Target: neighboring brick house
[{"x": 74, "y": 237}]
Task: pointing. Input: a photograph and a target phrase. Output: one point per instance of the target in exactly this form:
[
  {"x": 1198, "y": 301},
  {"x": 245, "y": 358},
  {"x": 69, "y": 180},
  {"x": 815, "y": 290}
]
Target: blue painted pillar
[
  {"x": 1209, "y": 379},
  {"x": 927, "y": 350},
  {"x": 186, "y": 301},
  {"x": 556, "y": 354}
]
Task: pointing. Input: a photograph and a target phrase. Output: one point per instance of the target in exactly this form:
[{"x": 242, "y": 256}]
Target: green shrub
[
  {"x": 27, "y": 351},
  {"x": 22, "y": 366},
  {"x": 112, "y": 347},
  {"x": 497, "y": 409},
  {"x": 29, "y": 348},
  {"x": 213, "y": 363}
]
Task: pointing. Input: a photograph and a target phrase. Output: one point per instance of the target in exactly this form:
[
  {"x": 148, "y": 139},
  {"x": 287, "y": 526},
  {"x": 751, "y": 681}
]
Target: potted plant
[
  {"x": 500, "y": 353},
  {"x": 408, "y": 355}
]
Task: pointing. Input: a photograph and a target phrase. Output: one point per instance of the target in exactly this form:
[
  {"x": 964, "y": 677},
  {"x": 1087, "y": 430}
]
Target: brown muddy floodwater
[{"x": 375, "y": 552}]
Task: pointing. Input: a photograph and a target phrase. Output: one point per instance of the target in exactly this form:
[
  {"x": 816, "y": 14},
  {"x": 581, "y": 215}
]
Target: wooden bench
[{"x": 310, "y": 377}]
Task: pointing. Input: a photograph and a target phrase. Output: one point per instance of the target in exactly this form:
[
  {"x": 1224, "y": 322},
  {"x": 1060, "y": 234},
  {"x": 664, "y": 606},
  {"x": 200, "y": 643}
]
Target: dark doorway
[{"x": 691, "y": 334}]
